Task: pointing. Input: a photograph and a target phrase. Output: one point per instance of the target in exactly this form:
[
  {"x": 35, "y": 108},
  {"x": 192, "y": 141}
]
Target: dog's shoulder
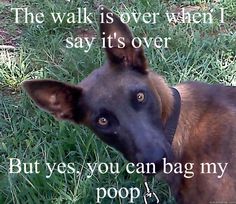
[
  {"x": 206, "y": 105},
  {"x": 211, "y": 94}
]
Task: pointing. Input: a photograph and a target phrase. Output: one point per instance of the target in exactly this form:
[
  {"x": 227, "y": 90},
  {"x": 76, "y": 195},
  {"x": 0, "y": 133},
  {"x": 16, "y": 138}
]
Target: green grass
[{"x": 197, "y": 52}]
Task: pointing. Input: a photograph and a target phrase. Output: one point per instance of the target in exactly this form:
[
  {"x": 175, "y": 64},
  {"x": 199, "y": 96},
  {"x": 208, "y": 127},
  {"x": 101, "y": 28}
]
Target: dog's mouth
[
  {"x": 149, "y": 168},
  {"x": 152, "y": 168},
  {"x": 152, "y": 163}
]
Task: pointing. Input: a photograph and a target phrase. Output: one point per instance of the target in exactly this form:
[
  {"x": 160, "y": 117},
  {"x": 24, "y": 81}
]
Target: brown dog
[{"x": 132, "y": 109}]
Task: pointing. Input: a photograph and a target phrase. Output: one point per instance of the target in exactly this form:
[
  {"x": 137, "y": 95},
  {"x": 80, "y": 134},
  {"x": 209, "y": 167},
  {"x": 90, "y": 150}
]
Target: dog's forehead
[{"x": 110, "y": 84}]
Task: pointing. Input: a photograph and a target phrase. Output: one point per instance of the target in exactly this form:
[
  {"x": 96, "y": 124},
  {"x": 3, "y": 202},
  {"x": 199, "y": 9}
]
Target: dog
[{"x": 132, "y": 109}]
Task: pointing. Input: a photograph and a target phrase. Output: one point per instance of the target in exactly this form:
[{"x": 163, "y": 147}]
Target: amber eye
[
  {"x": 102, "y": 121},
  {"x": 140, "y": 97}
]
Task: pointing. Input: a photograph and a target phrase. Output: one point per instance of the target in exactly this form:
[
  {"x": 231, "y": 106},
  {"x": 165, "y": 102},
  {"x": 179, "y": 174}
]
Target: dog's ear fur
[
  {"x": 124, "y": 53},
  {"x": 59, "y": 99}
]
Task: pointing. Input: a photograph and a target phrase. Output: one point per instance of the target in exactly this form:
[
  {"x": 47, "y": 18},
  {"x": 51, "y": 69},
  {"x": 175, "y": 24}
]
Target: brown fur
[
  {"x": 206, "y": 133},
  {"x": 163, "y": 94}
]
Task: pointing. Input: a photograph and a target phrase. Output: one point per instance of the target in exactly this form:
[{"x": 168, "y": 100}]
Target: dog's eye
[
  {"x": 140, "y": 97},
  {"x": 102, "y": 121}
]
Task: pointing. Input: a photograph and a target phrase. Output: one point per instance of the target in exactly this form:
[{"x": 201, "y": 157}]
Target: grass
[{"x": 197, "y": 52}]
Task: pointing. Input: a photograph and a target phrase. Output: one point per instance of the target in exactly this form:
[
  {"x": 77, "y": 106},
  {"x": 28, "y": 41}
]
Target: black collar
[{"x": 172, "y": 121}]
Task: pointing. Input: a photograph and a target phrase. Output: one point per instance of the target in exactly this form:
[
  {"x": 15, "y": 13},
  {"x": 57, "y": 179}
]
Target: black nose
[
  {"x": 152, "y": 160},
  {"x": 151, "y": 155}
]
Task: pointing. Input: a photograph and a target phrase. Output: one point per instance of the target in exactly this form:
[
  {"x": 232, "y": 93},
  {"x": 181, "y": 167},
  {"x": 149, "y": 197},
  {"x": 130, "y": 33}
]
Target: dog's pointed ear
[
  {"x": 60, "y": 99},
  {"x": 119, "y": 44}
]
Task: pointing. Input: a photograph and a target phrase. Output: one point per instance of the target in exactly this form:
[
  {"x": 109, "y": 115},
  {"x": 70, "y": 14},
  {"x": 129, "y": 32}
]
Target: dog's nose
[
  {"x": 151, "y": 155},
  {"x": 152, "y": 160}
]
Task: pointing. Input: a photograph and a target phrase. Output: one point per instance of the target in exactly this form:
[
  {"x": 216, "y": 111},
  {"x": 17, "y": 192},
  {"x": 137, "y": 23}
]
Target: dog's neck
[
  {"x": 188, "y": 120},
  {"x": 164, "y": 93}
]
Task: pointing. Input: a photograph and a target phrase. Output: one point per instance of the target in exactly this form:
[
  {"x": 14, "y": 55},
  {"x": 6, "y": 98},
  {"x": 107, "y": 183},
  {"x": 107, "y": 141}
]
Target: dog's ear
[
  {"x": 60, "y": 99},
  {"x": 118, "y": 42}
]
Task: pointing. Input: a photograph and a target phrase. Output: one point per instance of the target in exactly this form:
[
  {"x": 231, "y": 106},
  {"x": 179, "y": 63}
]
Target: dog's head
[{"x": 126, "y": 105}]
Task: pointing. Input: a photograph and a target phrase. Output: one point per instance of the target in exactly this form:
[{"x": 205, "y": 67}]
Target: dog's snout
[
  {"x": 151, "y": 155},
  {"x": 152, "y": 158}
]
